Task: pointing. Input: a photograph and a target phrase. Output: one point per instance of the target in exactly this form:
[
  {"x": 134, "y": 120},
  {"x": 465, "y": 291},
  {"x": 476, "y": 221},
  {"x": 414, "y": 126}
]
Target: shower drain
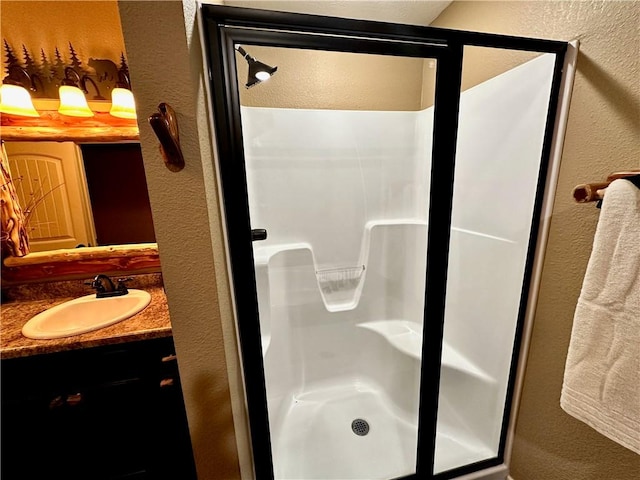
[{"x": 360, "y": 427}]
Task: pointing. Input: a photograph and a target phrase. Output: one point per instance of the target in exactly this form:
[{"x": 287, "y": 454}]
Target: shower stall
[{"x": 382, "y": 195}]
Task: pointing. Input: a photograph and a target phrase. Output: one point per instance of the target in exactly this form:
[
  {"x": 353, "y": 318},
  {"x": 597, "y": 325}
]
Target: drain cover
[{"x": 360, "y": 427}]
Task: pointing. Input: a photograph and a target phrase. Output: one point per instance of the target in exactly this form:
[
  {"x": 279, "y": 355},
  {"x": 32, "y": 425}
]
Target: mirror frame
[
  {"x": 80, "y": 263},
  {"x": 75, "y": 263},
  {"x": 51, "y": 126}
]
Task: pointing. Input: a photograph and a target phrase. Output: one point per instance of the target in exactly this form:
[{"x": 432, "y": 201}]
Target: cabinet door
[
  {"x": 102, "y": 413},
  {"x": 110, "y": 430},
  {"x": 78, "y": 433}
]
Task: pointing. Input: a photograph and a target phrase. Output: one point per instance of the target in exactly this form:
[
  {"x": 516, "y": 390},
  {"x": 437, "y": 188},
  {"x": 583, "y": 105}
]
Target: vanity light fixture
[
  {"x": 123, "y": 105},
  {"x": 74, "y": 82},
  {"x": 14, "y": 97},
  {"x": 72, "y": 100},
  {"x": 258, "y": 71}
]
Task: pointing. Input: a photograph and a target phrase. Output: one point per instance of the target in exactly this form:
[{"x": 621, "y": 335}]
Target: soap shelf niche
[{"x": 340, "y": 285}]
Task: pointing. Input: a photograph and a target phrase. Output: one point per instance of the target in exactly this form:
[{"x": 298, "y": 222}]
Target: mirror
[
  {"x": 87, "y": 211},
  {"x": 47, "y": 33},
  {"x": 81, "y": 195}
]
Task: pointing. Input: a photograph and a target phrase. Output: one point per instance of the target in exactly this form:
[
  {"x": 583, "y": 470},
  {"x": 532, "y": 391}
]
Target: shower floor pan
[{"x": 315, "y": 440}]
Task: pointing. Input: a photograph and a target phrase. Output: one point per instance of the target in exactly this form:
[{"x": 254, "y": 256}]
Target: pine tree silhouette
[
  {"x": 57, "y": 67},
  {"x": 75, "y": 61},
  {"x": 45, "y": 66},
  {"x": 11, "y": 59},
  {"x": 29, "y": 65},
  {"x": 124, "y": 68}
]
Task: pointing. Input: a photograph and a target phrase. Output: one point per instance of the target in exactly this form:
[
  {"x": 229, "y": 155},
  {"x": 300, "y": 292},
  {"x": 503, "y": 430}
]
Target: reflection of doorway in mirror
[
  {"x": 49, "y": 180},
  {"x": 118, "y": 192}
]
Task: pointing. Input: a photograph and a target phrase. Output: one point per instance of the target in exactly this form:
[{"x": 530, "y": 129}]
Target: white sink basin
[{"x": 85, "y": 314}]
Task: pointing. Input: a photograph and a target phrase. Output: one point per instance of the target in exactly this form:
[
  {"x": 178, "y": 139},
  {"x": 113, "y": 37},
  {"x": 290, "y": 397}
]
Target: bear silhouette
[{"x": 105, "y": 69}]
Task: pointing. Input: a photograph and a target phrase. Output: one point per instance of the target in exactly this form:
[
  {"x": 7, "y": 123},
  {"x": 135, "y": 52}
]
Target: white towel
[{"x": 602, "y": 375}]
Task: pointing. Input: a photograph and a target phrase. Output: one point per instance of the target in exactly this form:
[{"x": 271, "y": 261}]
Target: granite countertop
[{"x": 26, "y": 301}]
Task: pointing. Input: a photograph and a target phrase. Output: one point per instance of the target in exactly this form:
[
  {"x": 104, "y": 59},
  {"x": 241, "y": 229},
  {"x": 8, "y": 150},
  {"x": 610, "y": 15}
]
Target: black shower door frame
[{"x": 226, "y": 26}]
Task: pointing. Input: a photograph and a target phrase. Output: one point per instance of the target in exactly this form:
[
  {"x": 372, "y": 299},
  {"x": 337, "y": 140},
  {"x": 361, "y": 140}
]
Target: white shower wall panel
[
  {"x": 500, "y": 133},
  {"x": 318, "y": 176},
  {"x": 299, "y": 319}
]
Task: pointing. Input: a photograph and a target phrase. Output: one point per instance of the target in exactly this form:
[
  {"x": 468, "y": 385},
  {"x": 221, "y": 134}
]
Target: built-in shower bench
[{"x": 406, "y": 336}]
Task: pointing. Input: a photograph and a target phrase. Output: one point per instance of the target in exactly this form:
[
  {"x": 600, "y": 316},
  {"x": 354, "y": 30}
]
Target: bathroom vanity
[
  {"x": 102, "y": 405},
  {"x": 106, "y": 404}
]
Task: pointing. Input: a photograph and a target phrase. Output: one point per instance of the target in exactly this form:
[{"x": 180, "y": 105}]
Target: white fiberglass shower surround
[{"x": 380, "y": 257}]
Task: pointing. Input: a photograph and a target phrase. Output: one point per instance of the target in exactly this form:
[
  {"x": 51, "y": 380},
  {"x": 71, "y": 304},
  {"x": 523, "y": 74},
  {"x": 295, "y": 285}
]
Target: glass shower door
[
  {"x": 337, "y": 148},
  {"x": 499, "y": 164},
  {"x": 351, "y": 260}
]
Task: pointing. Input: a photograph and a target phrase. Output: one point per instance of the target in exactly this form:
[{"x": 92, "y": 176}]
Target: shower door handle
[{"x": 258, "y": 234}]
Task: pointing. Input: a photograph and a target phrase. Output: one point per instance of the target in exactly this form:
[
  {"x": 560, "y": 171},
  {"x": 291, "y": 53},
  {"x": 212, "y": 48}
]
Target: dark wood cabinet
[{"x": 112, "y": 412}]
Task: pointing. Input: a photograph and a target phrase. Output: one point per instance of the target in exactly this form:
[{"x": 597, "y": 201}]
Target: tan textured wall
[
  {"x": 189, "y": 232},
  {"x": 603, "y": 135},
  {"x": 93, "y": 27},
  {"x": 334, "y": 80}
]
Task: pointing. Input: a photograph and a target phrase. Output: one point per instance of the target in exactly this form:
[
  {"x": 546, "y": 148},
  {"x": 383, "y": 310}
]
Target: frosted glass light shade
[
  {"x": 15, "y": 100},
  {"x": 123, "y": 105},
  {"x": 73, "y": 102}
]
